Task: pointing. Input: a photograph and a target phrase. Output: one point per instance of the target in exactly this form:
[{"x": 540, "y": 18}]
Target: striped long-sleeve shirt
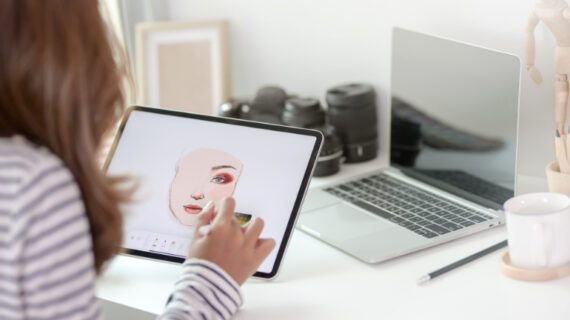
[{"x": 46, "y": 259}]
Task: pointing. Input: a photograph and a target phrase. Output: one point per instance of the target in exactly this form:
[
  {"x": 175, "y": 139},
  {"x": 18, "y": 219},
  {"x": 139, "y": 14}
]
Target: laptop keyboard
[
  {"x": 471, "y": 184},
  {"x": 420, "y": 211}
]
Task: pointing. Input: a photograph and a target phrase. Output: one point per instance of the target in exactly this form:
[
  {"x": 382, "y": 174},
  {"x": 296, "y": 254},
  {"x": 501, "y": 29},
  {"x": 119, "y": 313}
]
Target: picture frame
[{"x": 183, "y": 65}]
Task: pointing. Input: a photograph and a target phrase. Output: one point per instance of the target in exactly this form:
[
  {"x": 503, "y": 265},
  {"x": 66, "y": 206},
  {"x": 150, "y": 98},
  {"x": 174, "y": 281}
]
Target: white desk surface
[{"x": 319, "y": 282}]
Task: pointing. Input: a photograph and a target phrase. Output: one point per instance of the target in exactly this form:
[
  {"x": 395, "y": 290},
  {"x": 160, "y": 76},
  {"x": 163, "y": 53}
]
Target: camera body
[{"x": 348, "y": 126}]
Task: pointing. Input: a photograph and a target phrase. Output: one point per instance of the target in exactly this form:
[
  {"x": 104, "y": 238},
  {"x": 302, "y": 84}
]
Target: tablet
[{"x": 180, "y": 161}]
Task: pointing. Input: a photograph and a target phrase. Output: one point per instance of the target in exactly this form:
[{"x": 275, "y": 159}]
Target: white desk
[{"x": 320, "y": 282}]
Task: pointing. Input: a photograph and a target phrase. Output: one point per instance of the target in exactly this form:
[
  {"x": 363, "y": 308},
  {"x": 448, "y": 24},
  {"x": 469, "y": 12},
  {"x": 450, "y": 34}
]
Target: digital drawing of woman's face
[{"x": 201, "y": 175}]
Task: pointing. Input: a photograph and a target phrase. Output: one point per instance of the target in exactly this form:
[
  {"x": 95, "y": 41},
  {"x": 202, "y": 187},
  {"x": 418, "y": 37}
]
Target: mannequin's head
[{"x": 202, "y": 175}]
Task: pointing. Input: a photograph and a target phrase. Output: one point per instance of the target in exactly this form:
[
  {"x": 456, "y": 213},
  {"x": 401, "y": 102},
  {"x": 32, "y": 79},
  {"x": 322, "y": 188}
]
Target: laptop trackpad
[
  {"x": 317, "y": 198},
  {"x": 340, "y": 222}
]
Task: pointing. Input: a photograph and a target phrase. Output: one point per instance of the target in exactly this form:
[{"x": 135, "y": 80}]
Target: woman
[{"x": 60, "y": 93}]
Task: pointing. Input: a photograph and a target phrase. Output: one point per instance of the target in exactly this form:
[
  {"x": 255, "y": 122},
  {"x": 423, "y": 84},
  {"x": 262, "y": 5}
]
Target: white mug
[{"x": 538, "y": 230}]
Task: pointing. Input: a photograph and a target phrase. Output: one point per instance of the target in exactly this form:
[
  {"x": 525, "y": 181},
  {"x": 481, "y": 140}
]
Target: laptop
[{"x": 452, "y": 154}]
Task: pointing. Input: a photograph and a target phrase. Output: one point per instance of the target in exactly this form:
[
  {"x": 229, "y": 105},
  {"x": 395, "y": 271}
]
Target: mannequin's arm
[{"x": 530, "y": 47}]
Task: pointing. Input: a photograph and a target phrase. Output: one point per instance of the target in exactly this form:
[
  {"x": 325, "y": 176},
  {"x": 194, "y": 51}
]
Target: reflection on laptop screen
[{"x": 454, "y": 116}]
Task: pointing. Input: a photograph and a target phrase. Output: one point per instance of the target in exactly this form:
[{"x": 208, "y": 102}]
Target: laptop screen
[{"x": 454, "y": 116}]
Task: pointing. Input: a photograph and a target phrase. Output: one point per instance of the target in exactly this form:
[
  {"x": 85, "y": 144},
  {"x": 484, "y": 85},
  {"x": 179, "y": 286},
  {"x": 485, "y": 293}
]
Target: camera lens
[
  {"x": 331, "y": 154},
  {"x": 266, "y": 106},
  {"x": 352, "y": 111},
  {"x": 303, "y": 112},
  {"x": 308, "y": 113},
  {"x": 232, "y": 108}
]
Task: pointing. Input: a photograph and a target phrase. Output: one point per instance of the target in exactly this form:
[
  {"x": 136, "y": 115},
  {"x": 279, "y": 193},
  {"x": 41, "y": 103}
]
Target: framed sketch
[{"x": 183, "y": 65}]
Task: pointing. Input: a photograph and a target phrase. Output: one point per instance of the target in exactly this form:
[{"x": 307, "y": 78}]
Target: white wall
[{"x": 307, "y": 46}]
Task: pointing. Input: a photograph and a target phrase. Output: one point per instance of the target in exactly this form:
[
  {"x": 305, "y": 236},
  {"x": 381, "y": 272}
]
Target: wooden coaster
[{"x": 532, "y": 274}]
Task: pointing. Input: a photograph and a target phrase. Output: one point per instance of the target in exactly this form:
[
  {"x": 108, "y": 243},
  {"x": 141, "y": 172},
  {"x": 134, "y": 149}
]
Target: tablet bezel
[{"x": 231, "y": 121}]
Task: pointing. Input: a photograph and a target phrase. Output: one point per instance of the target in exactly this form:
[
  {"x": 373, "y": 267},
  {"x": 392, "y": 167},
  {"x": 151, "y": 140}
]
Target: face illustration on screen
[{"x": 201, "y": 175}]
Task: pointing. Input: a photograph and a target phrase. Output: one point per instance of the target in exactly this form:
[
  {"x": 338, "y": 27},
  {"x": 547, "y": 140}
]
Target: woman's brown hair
[{"x": 61, "y": 83}]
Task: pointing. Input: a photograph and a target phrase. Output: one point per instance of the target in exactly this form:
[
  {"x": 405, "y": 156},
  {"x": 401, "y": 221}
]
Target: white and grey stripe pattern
[
  {"x": 204, "y": 291},
  {"x": 46, "y": 261}
]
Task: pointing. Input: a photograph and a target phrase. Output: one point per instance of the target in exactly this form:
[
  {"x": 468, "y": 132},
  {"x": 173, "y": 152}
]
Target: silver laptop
[{"x": 452, "y": 154}]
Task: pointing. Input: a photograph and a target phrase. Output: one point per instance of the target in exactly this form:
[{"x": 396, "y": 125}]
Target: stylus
[
  {"x": 461, "y": 262},
  {"x": 205, "y": 230}
]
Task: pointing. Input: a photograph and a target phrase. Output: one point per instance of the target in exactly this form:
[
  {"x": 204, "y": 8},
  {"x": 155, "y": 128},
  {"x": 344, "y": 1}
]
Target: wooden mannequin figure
[{"x": 555, "y": 14}]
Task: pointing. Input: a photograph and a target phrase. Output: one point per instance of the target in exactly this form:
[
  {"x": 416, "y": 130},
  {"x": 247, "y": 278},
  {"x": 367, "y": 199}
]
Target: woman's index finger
[{"x": 225, "y": 210}]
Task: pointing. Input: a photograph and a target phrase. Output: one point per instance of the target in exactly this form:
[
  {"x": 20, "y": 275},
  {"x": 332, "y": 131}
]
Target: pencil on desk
[{"x": 461, "y": 262}]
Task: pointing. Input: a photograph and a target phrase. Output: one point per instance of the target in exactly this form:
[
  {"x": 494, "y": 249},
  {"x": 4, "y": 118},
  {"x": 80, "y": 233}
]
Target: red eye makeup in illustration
[{"x": 222, "y": 178}]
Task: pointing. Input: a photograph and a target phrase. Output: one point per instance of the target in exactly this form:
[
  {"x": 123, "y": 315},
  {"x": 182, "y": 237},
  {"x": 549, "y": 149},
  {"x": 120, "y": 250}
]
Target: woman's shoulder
[
  {"x": 28, "y": 171},
  {"x": 21, "y": 153},
  {"x": 46, "y": 260},
  {"x": 22, "y": 159}
]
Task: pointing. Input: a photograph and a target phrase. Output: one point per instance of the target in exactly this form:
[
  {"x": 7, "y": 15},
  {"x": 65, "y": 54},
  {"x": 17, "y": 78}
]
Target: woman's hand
[{"x": 236, "y": 249}]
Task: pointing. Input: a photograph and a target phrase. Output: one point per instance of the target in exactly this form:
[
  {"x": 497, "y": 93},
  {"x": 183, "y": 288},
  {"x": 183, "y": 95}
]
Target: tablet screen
[{"x": 182, "y": 161}]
